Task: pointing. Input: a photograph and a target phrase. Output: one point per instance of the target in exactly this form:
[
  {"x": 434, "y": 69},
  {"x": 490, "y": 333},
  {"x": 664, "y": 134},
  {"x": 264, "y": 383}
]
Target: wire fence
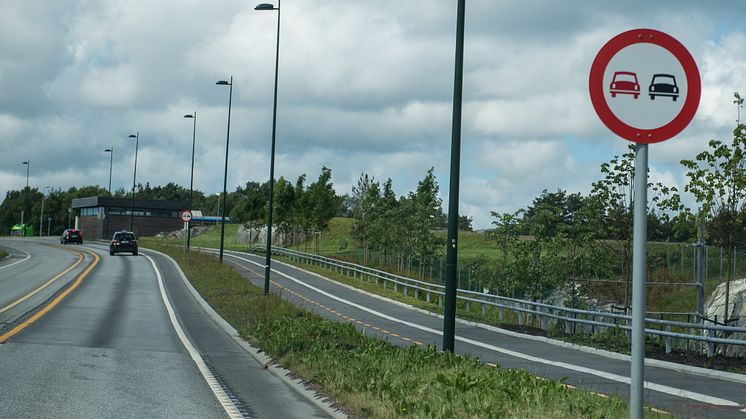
[{"x": 703, "y": 335}]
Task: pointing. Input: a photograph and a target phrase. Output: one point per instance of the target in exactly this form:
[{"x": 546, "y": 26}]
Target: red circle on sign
[
  {"x": 186, "y": 216},
  {"x": 596, "y": 86}
]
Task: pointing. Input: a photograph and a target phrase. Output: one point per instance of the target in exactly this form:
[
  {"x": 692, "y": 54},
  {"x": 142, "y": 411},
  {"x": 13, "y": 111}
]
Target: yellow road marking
[
  {"x": 32, "y": 293},
  {"x": 51, "y": 305}
]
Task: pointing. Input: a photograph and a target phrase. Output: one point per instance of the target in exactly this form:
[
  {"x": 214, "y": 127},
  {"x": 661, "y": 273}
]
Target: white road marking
[
  {"x": 28, "y": 256},
  {"x": 613, "y": 377},
  {"x": 225, "y": 401}
]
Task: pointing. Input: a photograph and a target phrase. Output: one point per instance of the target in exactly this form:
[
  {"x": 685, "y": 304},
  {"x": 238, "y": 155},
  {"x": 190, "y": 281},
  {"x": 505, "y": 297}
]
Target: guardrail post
[
  {"x": 427, "y": 294},
  {"x": 520, "y": 315},
  {"x": 484, "y": 306},
  {"x": 416, "y": 293},
  {"x": 668, "y": 339},
  {"x": 542, "y": 320}
]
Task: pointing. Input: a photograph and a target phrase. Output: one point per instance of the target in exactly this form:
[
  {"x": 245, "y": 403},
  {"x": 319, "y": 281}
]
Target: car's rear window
[{"x": 124, "y": 236}]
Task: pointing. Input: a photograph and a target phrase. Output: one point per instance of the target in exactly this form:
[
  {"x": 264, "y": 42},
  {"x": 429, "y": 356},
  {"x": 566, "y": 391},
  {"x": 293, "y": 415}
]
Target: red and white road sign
[
  {"x": 645, "y": 86},
  {"x": 186, "y": 216}
]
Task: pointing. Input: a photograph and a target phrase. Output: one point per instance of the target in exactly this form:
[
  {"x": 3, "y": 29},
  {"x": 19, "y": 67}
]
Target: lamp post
[
  {"x": 270, "y": 7},
  {"x": 225, "y": 176},
  {"x": 191, "y": 178},
  {"x": 27, "y": 163},
  {"x": 41, "y": 217},
  {"x": 111, "y": 161},
  {"x": 136, "y": 136},
  {"x": 49, "y": 224},
  {"x": 449, "y": 312}
]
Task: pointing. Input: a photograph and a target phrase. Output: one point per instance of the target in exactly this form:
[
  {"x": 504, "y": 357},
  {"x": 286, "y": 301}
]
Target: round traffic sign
[
  {"x": 645, "y": 86},
  {"x": 186, "y": 216}
]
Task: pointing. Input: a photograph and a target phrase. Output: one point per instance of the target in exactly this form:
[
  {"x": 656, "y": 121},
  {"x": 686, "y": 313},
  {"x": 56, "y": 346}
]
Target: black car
[
  {"x": 663, "y": 85},
  {"x": 123, "y": 241},
  {"x": 71, "y": 235}
]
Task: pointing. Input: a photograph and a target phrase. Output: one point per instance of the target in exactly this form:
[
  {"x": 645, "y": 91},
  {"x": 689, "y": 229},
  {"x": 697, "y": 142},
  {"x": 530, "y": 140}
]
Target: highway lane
[
  {"x": 126, "y": 343},
  {"x": 36, "y": 271},
  {"x": 683, "y": 393}
]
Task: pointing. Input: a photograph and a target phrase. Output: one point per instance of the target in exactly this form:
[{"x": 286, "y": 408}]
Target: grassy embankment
[
  {"x": 337, "y": 242},
  {"x": 371, "y": 378}
]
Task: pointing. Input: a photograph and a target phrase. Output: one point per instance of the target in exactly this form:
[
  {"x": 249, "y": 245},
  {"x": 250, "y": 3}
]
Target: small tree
[{"x": 717, "y": 179}]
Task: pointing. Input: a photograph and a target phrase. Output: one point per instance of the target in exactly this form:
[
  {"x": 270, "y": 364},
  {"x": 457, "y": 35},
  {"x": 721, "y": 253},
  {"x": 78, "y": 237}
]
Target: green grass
[
  {"x": 371, "y": 378},
  {"x": 3, "y": 254}
]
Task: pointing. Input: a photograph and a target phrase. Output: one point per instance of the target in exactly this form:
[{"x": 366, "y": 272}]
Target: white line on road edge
[
  {"x": 614, "y": 377},
  {"x": 262, "y": 358},
  {"x": 217, "y": 390},
  {"x": 28, "y": 256}
]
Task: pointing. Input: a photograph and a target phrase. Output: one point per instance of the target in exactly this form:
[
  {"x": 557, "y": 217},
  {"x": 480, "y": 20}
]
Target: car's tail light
[{"x": 114, "y": 242}]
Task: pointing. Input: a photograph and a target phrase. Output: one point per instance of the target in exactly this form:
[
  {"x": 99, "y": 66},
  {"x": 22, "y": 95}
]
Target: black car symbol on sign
[{"x": 663, "y": 85}]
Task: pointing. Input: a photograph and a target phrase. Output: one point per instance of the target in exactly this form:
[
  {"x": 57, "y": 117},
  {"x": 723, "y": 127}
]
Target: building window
[{"x": 89, "y": 212}]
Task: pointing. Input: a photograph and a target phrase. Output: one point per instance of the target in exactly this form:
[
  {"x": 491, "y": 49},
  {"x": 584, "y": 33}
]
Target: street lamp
[
  {"x": 225, "y": 176},
  {"x": 111, "y": 161},
  {"x": 191, "y": 179},
  {"x": 136, "y": 136},
  {"x": 25, "y": 192},
  {"x": 270, "y": 7},
  {"x": 41, "y": 217},
  {"x": 449, "y": 311}
]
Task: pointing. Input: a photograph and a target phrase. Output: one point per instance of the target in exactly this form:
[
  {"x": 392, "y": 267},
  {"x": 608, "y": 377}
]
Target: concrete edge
[
  {"x": 723, "y": 375},
  {"x": 269, "y": 364}
]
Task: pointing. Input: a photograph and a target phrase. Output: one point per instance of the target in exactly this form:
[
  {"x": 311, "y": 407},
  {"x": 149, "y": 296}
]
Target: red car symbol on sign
[{"x": 625, "y": 82}]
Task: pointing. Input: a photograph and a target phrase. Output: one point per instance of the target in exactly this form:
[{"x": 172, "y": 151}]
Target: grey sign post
[{"x": 645, "y": 87}]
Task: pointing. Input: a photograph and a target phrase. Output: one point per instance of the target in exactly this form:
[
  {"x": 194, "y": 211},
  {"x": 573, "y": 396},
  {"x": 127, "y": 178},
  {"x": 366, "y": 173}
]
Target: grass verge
[
  {"x": 609, "y": 339},
  {"x": 371, "y": 378}
]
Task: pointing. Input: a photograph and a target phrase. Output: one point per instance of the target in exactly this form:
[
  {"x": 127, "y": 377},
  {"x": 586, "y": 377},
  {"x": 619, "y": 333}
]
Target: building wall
[{"x": 104, "y": 228}]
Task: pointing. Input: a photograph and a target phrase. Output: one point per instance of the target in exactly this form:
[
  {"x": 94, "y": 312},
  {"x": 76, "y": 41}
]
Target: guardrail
[{"x": 670, "y": 332}]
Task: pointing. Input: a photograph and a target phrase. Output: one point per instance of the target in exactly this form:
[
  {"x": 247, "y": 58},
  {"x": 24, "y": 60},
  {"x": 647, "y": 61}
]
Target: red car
[
  {"x": 71, "y": 235},
  {"x": 625, "y": 83}
]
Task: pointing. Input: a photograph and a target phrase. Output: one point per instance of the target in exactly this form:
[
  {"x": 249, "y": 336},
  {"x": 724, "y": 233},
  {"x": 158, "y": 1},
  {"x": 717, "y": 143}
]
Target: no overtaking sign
[{"x": 645, "y": 86}]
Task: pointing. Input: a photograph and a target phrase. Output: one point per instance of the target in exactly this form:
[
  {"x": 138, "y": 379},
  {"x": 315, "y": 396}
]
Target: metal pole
[
  {"x": 111, "y": 163},
  {"x": 41, "y": 217},
  {"x": 49, "y": 225},
  {"x": 191, "y": 181},
  {"x": 639, "y": 251},
  {"x": 701, "y": 270},
  {"x": 268, "y": 259},
  {"x": 134, "y": 177},
  {"x": 225, "y": 176},
  {"x": 449, "y": 315}
]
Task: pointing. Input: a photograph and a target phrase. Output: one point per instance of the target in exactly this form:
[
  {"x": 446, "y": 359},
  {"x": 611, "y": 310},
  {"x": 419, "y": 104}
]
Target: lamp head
[
  {"x": 223, "y": 83},
  {"x": 265, "y": 6},
  {"x": 133, "y": 136},
  {"x": 188, "y": 116},
  {"x": 26, "y": 162},
  {"x": 108, "y": 150}
]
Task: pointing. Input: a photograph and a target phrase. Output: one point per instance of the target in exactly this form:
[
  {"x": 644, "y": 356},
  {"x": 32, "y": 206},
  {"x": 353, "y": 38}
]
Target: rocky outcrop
[{"x": 715, "y": 306}]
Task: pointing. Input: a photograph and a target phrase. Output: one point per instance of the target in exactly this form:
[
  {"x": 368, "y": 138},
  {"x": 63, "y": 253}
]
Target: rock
[{"x": 715, "y": 306}]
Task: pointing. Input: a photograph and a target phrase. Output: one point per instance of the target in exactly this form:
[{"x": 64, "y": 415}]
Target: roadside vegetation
[{"x": 369, "y": 377}]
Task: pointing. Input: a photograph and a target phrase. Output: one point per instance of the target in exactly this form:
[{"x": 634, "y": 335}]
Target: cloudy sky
[{"x": 365, "y": 86}]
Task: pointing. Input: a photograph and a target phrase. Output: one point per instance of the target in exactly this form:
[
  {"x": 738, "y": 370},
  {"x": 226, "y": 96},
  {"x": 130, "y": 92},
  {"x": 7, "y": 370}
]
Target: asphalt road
[
  {"x": 110, "y": 347},
  {"x": 683, "y": 393}
]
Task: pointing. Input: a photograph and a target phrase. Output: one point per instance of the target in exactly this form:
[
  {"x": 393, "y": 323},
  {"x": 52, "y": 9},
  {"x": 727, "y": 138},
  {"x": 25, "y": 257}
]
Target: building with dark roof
[{"x": 99, "y": 217}]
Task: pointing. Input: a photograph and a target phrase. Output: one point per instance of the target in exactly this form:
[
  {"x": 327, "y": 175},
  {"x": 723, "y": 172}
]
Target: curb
[{"x": 269, "y": 364}]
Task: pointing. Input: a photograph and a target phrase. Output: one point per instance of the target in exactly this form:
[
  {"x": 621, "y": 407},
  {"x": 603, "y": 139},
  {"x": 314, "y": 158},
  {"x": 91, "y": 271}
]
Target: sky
[{"x": 364, "y": 87}]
